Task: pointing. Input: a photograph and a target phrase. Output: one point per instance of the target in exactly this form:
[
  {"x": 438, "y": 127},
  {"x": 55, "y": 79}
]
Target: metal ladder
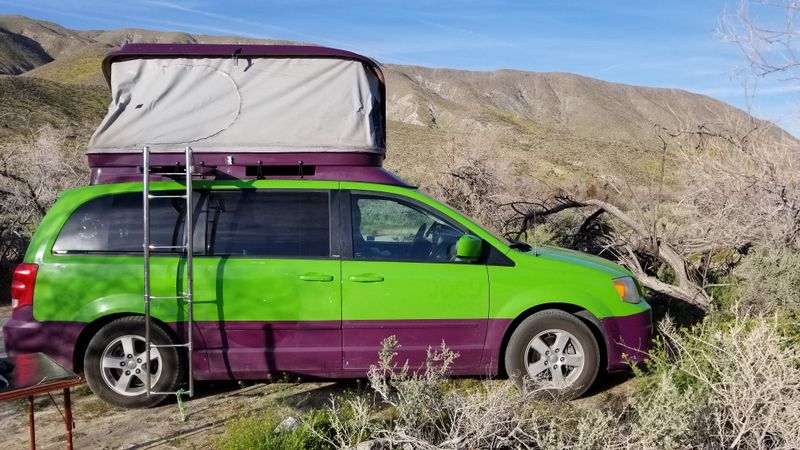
[{"x": 186, "y": 248}]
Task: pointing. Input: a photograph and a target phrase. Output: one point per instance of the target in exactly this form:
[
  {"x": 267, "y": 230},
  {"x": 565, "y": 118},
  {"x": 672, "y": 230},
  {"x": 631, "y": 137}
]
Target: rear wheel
[
  {"x": 116, "y": 363},
  {"x": 554, "y": 352}
]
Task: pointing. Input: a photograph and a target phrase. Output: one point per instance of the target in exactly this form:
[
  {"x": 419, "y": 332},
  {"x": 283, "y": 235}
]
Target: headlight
[{"x": 626, "y": 288}]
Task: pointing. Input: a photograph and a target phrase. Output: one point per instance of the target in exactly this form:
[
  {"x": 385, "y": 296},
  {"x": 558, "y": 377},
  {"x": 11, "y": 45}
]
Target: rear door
[
  {"x": 271, "y": 279},
  {"x": 400, "y": 277}
]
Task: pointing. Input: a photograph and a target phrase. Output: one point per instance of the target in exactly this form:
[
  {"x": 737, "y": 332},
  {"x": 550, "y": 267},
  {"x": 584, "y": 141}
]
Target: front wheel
[
  {"x": 553, "y": 351},
  {"x": 115, "y": 364}
]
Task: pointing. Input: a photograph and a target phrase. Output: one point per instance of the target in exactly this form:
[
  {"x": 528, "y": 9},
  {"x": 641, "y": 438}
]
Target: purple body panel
[
  {"x": 256, "y": 350},
  {"x": 253, "y": 350},
  {"x": 495, "y": 333},
  {"x": 23, "y": 334},
  {"x": 362, "y": 339},
  {"x": 334, "y": 166},
  {"x": 627, "y": 338}
]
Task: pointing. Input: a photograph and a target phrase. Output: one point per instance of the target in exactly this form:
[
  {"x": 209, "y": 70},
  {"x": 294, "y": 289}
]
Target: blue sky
[{"x": 662, "y": 44}]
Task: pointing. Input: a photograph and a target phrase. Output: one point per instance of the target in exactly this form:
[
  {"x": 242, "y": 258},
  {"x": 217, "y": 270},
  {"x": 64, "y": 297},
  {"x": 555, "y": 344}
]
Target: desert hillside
[{"x": 555, "y": 125}]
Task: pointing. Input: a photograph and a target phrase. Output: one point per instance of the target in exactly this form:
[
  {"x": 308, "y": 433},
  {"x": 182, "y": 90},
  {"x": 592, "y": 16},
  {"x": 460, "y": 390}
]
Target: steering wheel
[
  {"x": 420, "y": 234},
  {"x": 434, "y": 232},
  {"x": 439, "y": 251}
]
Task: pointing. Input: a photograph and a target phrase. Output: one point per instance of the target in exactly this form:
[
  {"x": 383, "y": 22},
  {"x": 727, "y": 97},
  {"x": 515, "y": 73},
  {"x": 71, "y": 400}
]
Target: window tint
[
  {"x": 263, "y": 223},
  {"x": 385, "y": 228},
  {"x": 114, "y": 223}
]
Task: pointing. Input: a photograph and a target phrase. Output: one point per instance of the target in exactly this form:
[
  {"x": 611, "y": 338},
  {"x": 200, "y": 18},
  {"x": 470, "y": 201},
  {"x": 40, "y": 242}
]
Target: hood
[{"x": 579, "y": 258}]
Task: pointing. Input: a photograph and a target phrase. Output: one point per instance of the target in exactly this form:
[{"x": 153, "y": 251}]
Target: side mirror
[{"x": 469, "y": 248}]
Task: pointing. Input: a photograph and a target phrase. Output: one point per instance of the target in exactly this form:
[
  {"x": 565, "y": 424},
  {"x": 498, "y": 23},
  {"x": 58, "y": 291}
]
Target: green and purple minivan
[{"x": 306, "y": 254}]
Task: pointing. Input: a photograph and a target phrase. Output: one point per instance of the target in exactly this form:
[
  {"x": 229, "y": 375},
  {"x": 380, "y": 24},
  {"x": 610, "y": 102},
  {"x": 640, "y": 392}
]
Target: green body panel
[
  {"x": 85, "y": 287},
  {"x": 255, "y": 289},
  {"x": 82, "y": 288},
  {"x": 538, "y": 280},
  {"x": 411, "y": 290}
]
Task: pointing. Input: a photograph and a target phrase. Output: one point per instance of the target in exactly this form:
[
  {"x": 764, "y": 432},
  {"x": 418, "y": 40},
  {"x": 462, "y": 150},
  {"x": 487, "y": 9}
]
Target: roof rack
[{"x": 127, "y": 167}]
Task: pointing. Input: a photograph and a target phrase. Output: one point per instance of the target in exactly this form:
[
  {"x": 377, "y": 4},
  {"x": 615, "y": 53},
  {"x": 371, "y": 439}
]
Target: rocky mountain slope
[{"x": 557, "y": 123}]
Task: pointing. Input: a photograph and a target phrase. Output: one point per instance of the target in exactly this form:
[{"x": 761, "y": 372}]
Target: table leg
[
  {"x": 31, "y": 426},
  {"x": 68, "y": 417}
]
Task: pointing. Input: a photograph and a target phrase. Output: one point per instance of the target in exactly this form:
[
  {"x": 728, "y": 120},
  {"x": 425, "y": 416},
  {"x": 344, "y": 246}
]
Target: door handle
[
  {"x": 366, "y": 278},
  {"x": 315, "y": 276}
]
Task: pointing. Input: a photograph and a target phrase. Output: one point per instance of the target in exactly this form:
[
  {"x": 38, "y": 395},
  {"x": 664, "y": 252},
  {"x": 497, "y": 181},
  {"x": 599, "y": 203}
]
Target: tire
[
  {"x": 553, "y": 352},
  {"x": 112, "y": 375}
]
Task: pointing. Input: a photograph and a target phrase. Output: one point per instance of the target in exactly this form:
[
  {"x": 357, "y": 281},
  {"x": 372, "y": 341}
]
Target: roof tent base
[{"x": 127, "y": 167}]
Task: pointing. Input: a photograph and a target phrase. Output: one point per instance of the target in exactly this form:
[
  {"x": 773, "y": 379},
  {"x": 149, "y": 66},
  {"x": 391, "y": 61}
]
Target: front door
[
  {"x": 403, "y": 279},
  {"x": 271, "y": 284}
]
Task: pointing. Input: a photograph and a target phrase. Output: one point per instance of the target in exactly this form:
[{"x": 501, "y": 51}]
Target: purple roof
[{"x": 245, "y": 51}]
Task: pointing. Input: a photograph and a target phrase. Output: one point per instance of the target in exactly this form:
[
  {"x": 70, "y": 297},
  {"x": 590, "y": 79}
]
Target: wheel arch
[{"x": 584, "y": 315}]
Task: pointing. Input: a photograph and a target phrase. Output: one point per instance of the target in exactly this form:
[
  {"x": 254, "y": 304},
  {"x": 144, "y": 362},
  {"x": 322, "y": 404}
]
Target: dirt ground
[{"x": 101, "y": 426}]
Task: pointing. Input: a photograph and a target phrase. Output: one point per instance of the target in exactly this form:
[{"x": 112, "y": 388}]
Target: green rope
[{"x": 181, "y": 410}]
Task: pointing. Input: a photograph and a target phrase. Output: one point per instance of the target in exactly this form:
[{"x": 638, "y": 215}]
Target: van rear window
[
  {"x": 268, "y": 223},
  {"x": 248, "y": 223},
  {"x": 114, "y": 224}
]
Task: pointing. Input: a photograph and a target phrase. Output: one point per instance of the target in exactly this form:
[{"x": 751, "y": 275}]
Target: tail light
[{"x": 22, "y": 285}]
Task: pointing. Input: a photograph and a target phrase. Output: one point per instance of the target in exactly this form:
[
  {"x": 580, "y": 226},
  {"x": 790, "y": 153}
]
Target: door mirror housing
[{"x": 469, "y": 248}]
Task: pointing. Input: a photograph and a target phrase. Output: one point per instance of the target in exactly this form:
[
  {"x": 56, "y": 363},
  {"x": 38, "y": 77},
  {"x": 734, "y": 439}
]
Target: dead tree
[{"x": 628, "y": 250}]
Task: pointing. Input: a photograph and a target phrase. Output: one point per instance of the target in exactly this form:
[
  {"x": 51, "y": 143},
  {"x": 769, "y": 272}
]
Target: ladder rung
[
  {"x": 167, "y": 247},
  {"x": 168, "y": 345},
  {"x": 151, "y": 196},
  {"x": 168, "y": 297},
  {"x": 175, "y": 174}
]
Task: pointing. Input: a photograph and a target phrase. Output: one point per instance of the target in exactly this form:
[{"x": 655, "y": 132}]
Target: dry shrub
[
  {"x": 736, "y": 384},
  {"x": 741, "y": 189},
  {"x": 33, "y": 169},
  {"x": 474, "y": 180},
  {"x": 666, "y": 415},
  {"x": 433, "y": 413},
  {"x": 769, "y": 279},
  {"x": 346, "y": 422}
]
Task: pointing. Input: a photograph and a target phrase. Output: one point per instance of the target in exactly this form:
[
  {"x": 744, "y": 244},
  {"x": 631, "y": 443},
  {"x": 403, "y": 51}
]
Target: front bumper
[
  {"x": 23, "y": 334},
  {"x": 627, "y": 339}
]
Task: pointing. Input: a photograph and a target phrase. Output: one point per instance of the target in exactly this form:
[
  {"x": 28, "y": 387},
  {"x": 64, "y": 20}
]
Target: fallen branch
[{"x": 685, "y": 289}]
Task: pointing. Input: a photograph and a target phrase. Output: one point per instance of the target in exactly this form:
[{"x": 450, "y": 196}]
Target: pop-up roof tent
[{"x": 245, "y": 110}]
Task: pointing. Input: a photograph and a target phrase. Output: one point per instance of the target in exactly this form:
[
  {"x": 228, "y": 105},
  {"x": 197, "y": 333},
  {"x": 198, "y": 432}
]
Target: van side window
[
  {"x": 268, "y": 223},
  {"x": 391, "y": 229},
  {"x": 114, "y": 224}
]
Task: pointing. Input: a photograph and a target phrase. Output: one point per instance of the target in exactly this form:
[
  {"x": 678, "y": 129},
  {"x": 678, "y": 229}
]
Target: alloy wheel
[
  {"x": 554, "y": 358},
  {"x": 124, "y": 365}
]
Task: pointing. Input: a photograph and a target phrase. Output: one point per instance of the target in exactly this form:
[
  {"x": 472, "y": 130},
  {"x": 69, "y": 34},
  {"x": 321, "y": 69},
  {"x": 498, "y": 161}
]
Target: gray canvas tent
[
  {"x": 241, "y": 108},
  {"x": 241, "y": 99}
]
